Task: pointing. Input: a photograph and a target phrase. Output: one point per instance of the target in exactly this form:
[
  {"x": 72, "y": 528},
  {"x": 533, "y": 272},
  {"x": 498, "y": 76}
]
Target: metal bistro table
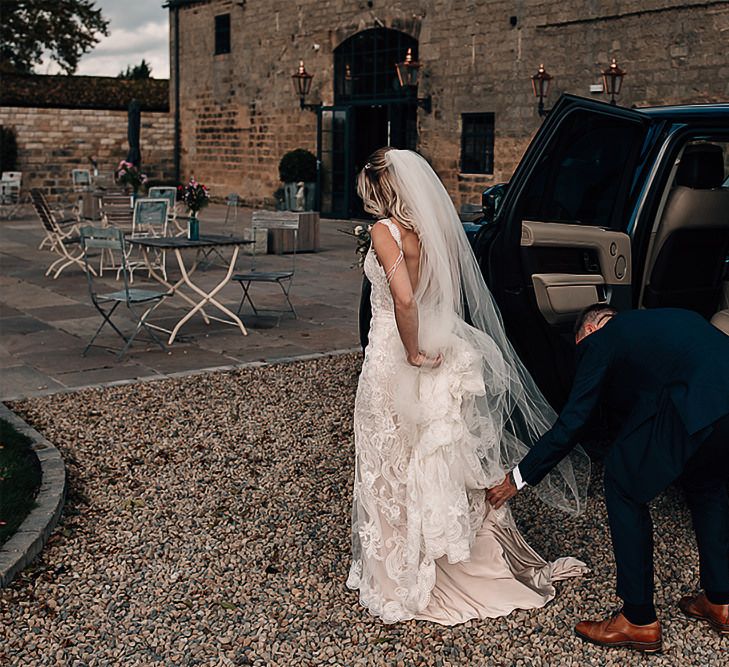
[{"x": 177, "y": 244}]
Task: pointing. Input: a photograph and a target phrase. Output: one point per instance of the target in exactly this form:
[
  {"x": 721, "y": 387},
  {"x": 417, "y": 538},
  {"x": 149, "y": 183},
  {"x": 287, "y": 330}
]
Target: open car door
[{"x": 562, "y": 243}]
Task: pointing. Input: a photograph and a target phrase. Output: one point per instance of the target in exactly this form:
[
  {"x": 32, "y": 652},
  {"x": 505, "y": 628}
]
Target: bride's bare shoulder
[
  {"x": 410, "y": 238},
  {"x": 405, "y": 236}
]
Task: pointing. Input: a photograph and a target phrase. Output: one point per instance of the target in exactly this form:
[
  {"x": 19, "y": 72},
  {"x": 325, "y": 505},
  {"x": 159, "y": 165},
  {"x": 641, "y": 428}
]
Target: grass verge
[{"x": 20, "y": 478}]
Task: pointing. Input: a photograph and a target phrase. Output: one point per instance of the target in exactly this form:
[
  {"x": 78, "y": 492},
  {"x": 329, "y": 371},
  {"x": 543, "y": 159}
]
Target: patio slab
[
  {"x": 101, "y": 376},
  {"x": 24, "y": 380},
  {"x": 62, "y": 312},
  {"x": 45, "y": 323}
]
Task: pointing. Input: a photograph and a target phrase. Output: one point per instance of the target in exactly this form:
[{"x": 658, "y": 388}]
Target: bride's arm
[{"x": 406, "y": 309}]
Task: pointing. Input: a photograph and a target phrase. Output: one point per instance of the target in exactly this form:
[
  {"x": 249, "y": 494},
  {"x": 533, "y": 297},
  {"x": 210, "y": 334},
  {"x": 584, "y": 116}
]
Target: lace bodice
[{"x": 381, "y": 298}]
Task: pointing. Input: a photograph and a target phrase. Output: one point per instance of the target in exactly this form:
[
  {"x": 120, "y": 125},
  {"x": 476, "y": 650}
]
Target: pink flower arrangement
[
  {"x": 195, "y": 195},
  {"x": 129, "y": 174}
]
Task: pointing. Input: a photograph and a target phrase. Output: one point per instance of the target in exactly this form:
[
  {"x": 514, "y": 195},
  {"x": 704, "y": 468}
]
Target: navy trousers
[{"x": 704, "y": 481}]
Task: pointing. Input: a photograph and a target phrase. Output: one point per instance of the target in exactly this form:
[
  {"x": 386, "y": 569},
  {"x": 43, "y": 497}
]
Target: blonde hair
[{"x": 376, "y": 187}]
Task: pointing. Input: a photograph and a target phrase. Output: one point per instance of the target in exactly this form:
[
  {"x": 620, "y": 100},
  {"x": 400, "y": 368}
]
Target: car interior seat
[{"x": 692, "y": 242}]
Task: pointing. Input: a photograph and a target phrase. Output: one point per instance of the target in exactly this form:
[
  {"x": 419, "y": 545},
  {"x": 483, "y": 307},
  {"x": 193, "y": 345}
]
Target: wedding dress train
[{"x": 426, "y": 544}]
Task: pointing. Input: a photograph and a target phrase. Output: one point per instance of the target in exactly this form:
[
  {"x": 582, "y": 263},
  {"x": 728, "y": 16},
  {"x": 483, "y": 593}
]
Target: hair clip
[{"x": 368, "y": 166}]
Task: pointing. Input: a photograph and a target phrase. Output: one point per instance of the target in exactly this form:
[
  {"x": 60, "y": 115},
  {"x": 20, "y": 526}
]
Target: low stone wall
[{"x": 52, "y": 142}]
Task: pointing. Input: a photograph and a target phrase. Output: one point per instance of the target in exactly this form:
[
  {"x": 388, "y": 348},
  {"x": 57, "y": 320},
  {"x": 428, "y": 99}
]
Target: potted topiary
[{"x": 297, "y": 170}]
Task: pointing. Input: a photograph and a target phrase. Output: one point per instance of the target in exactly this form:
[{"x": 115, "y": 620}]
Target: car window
[{"x": 581, "y": 177}]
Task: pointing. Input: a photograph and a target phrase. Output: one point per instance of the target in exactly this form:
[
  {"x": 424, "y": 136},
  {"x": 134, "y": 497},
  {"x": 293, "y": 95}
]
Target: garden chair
[
  {"x": 81, "y": 187},
  {"x": 10, "y": 201},
  {"x": 63, "y": 225},
  {"x": 169, "y": 193},
  {"x": 232, "y": 201},
  {"x": 140, "y": 303},
  {"x": 286, "y": 222},
  {"x": 62, "y": 236},
  {"x": 150, "y": 218},
  {"x": 117, "y": 212},
  {"x": 81, "y": 180}
]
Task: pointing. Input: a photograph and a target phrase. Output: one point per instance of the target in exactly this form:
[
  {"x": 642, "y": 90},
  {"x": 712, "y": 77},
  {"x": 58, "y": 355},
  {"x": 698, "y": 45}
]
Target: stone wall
[
  {"x": 52, "y": 142},
  {"x": 239, "y": 114}
]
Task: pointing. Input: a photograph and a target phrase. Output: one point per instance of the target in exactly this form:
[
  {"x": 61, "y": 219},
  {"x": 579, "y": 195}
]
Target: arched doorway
[{"x": 370, "y": 110}]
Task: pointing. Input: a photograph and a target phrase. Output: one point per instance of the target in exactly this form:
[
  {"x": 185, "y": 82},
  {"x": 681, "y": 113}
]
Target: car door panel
[
  {"x": 606, "y": 265},
  {"x": 561, "y": 295}
]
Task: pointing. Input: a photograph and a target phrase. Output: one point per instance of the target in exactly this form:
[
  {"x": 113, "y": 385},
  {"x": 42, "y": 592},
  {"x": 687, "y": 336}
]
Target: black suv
[{"x": 629, "y": 206}]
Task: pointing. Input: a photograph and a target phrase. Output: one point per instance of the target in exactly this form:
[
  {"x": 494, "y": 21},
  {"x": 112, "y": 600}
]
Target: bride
[{"x": 443, "y": 409}]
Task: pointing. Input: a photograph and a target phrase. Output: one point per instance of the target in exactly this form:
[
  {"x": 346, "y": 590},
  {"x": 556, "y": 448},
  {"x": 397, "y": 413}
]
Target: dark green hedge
[
  {"x": 20, "y": 478},
  {"x": 82, "y": 92}
]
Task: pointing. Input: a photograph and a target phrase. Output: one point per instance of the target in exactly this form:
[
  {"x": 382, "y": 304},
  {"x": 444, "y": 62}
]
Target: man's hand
[{"x": 498, "y": 495}]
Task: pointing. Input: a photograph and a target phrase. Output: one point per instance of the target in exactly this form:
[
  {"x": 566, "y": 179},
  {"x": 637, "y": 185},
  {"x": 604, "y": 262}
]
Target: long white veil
[{"x": 512, "y": 413}]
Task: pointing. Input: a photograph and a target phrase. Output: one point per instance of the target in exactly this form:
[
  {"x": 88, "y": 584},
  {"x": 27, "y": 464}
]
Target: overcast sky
[{"x": 137, "y": 29}]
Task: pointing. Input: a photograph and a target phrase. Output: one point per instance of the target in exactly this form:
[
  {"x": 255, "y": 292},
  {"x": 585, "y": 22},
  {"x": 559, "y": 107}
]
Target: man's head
[{"x": 592, "y": 318}]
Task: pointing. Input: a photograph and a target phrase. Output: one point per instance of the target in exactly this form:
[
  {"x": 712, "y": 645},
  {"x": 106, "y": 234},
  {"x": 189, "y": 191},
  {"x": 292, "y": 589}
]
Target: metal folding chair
[
  {"x": 62, "y": 236},
  {"x": 81, "y": 180},
  {"x": 55, "y": 221},
  {"x": 170, "y": 194},
  {"x": 232, "y": 201},
  {"x": 10, "y": 201},
  {"x": 149, "y": 219},
  {"x": 140, "y": 303},
  {"x": 286, "y": 222},
  {"x": 116, "y": 211},
  {"x": 81, "y": 188}
]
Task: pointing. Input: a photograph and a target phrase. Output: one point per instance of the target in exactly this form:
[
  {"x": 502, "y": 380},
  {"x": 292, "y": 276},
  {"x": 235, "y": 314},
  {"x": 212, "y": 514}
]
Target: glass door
[{"x": 334, "y": 159}]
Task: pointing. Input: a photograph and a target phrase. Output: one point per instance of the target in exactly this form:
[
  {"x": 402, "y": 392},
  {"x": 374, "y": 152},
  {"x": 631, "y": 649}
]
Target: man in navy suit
[{"x": 665, "y": 372}]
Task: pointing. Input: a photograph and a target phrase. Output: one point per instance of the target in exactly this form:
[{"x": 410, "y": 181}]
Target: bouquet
[
  {"x": 362, "y": 234},
  {"x": 195, "y": 195},
  {"x": 129, "y": 174}
]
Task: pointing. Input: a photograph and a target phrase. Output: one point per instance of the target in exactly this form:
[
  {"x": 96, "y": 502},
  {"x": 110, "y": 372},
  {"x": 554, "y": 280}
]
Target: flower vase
[{"x": 193, "y": 228}]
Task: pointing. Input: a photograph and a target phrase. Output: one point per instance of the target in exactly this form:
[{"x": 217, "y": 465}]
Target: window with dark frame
[
  {"x": 477, "y": 143},
  {"x": 222, "y": 34},
  {"x": 364, "y": 65}
]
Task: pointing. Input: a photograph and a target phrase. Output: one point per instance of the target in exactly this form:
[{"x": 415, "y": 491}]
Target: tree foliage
[
  {"x": 141, "y": 71},
  {"x": 63, "y": 30}
]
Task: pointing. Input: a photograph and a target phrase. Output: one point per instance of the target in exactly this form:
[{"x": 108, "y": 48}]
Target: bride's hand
[{"x": 422, "y": 360}]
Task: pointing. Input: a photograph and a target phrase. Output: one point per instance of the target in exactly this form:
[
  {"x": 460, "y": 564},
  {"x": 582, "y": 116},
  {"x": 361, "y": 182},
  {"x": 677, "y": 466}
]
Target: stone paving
[{"x": 46, "y": 323}]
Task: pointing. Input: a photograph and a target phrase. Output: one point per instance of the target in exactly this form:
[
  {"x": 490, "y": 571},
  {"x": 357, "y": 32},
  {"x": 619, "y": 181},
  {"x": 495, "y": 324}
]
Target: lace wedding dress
[{"x": 426, "y": 545}]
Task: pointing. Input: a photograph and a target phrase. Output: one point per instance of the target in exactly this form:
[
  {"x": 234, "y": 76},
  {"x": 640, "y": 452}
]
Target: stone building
[{"x": 232, "y": 63}]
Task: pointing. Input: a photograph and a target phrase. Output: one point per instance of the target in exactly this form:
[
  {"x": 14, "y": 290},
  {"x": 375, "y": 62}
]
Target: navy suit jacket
[{"x": 665, "y": 372}]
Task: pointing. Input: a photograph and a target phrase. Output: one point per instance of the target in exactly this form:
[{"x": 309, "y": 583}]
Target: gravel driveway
[{"x": 208, "y": 524}]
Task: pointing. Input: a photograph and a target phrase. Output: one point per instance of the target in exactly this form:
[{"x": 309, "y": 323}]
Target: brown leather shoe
[
  {"x": 698, "y": 606},
  {"x": 617, "y": 631}
]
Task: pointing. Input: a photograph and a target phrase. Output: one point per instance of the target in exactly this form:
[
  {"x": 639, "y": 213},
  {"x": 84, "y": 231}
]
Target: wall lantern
[
  {"x": 540, "y": 86},
  {"x": 302, "y": 86},
  {"x": 612, "y": 79},
  {"x": 408, "y": 72}
]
